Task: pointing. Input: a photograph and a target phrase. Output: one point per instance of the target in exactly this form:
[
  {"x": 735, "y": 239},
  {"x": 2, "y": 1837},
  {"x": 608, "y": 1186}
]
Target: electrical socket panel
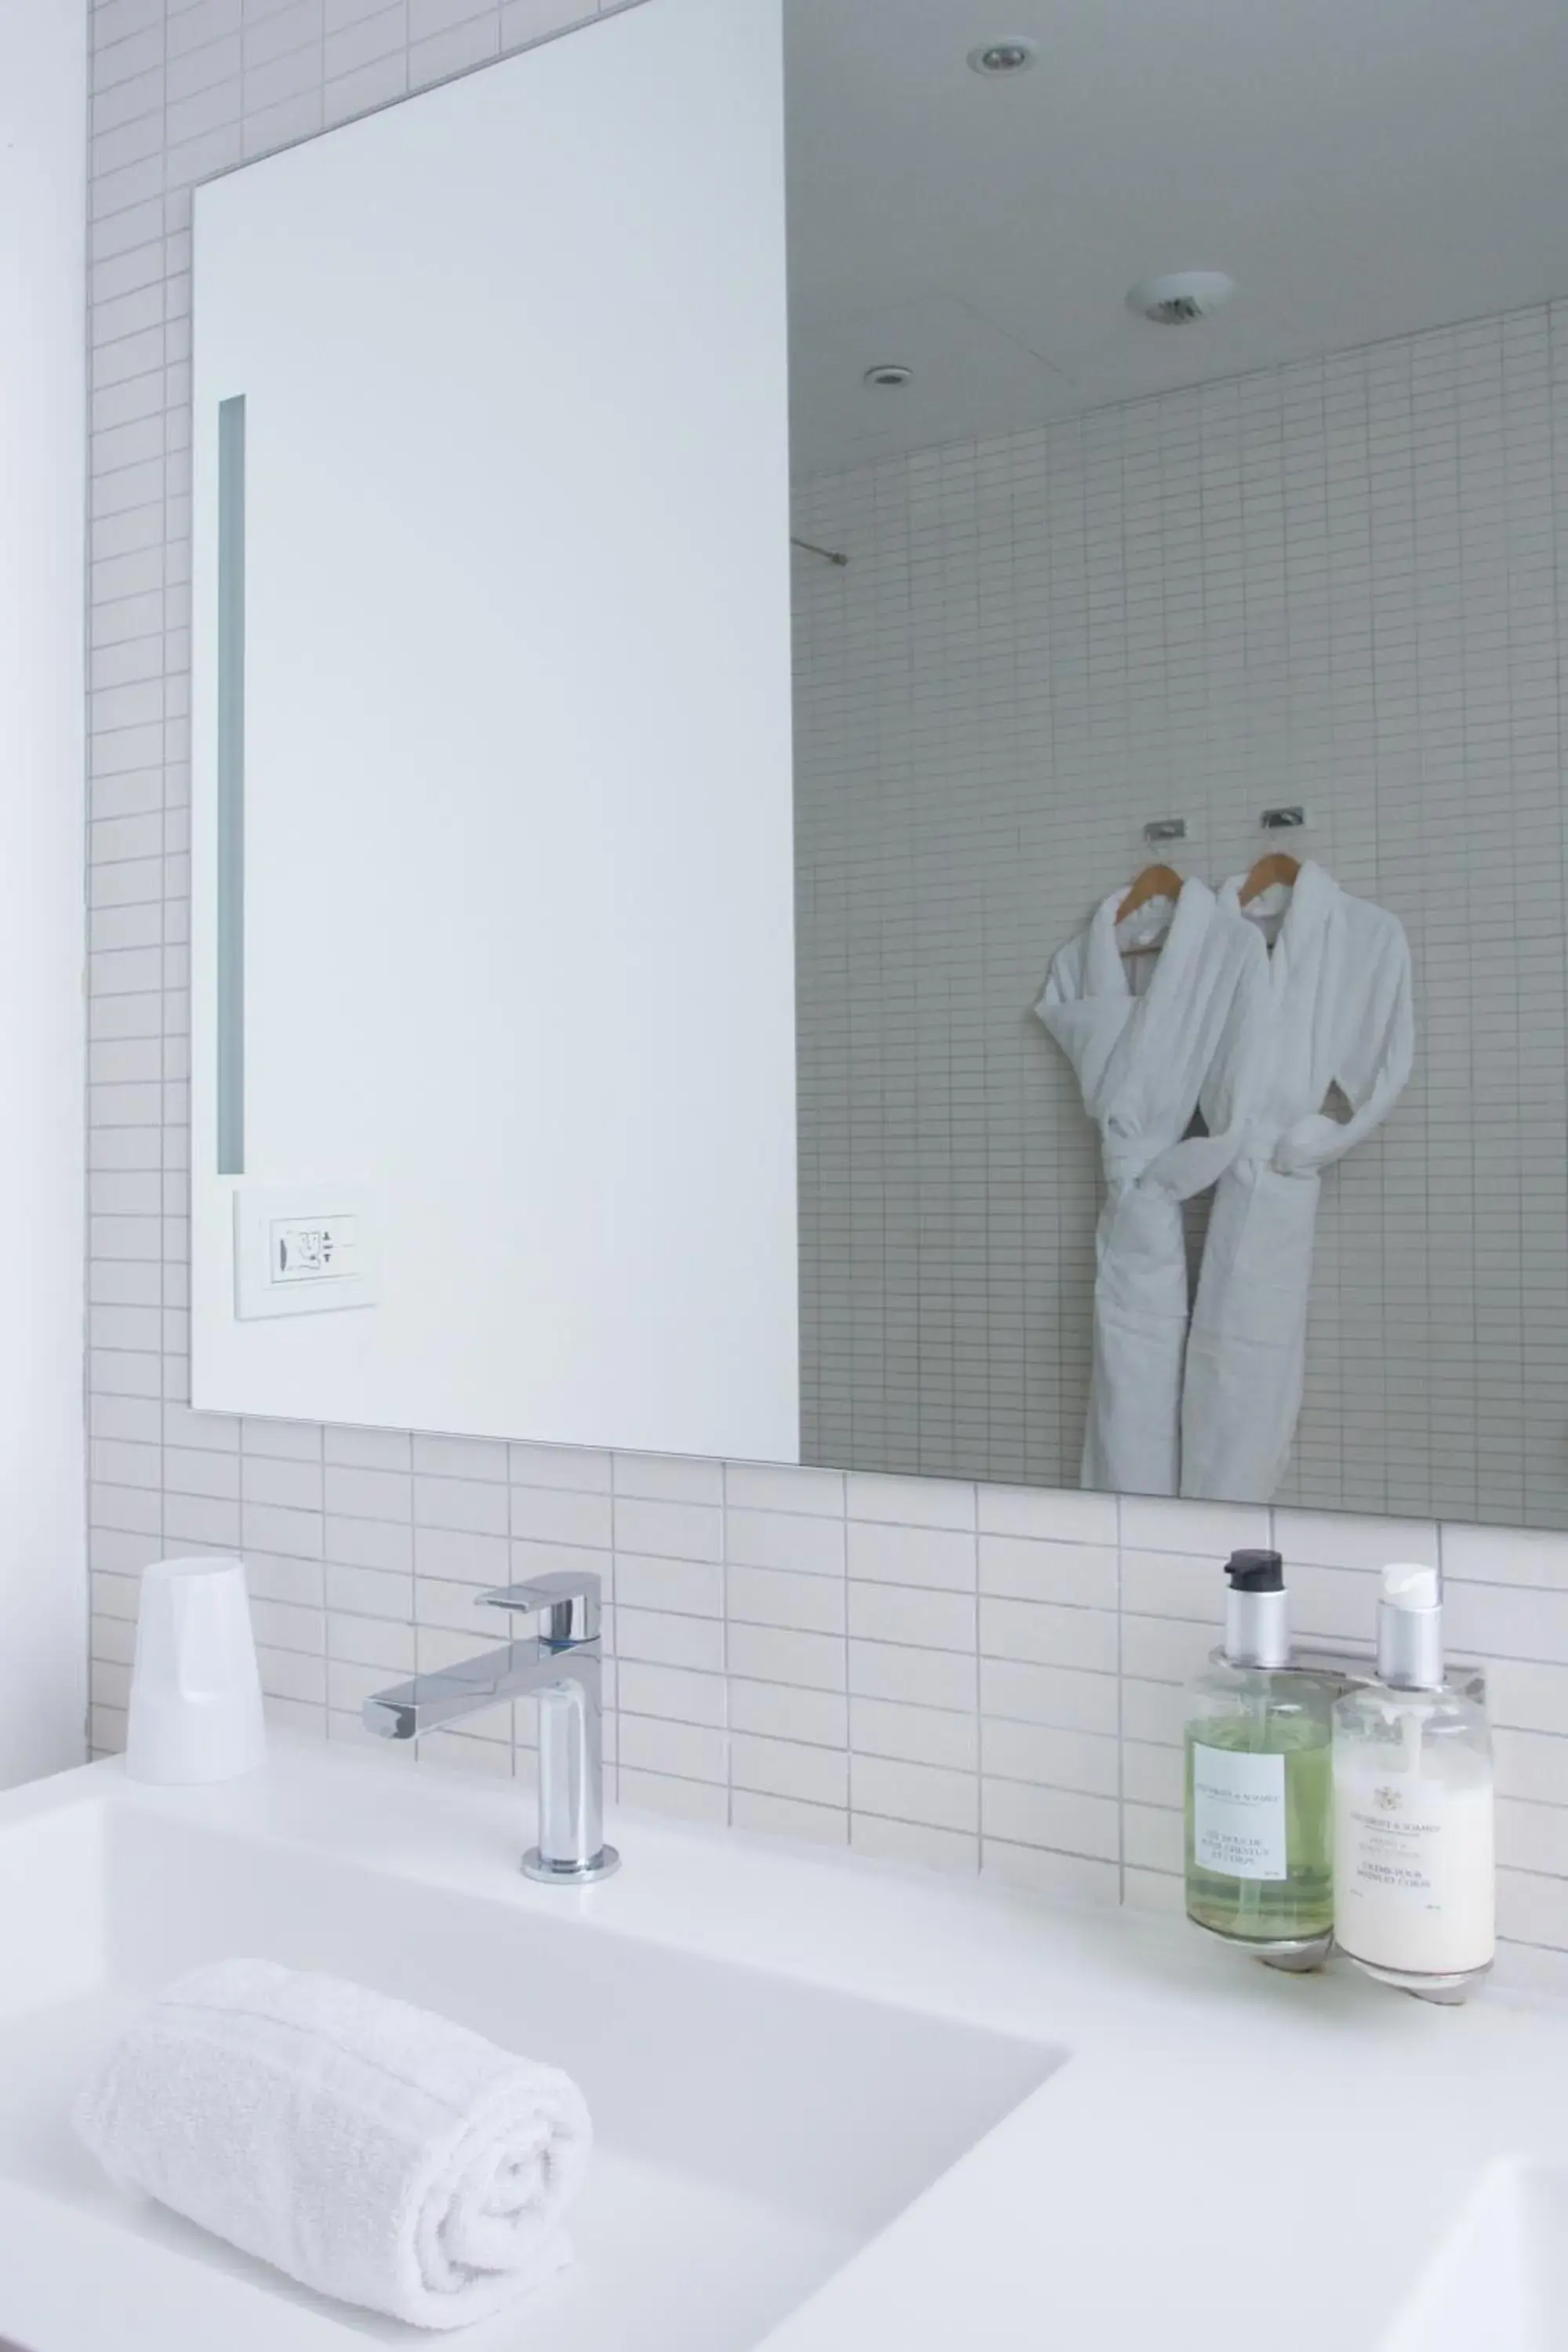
[{"x": 303, "y": 1249}]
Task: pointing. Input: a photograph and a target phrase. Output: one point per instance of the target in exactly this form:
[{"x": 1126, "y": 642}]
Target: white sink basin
[
  {"x": 873, "y": 2143},
  {"x": 1501, "y": 2280},
  {"x": 754, "y": 2131}
]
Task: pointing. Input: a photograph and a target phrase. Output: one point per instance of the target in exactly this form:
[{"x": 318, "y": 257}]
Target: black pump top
[{"x": 1256, "y": 1571}]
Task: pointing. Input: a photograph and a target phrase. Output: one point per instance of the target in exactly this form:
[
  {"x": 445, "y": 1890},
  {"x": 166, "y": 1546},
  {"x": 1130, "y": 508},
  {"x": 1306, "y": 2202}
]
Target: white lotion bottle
[{"x": 1415, "y": 1878}]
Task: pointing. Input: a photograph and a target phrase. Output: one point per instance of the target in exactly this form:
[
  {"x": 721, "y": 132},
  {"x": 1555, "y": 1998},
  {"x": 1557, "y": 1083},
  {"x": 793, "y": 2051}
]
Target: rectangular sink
[
  {"x": 1501, "y": 2279},
  {"x": 754, "y": 2131}
]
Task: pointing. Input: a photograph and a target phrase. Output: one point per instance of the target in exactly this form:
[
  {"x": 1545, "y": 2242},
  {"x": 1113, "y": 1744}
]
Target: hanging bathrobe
[
  {"x": 1140, "y": 1062},
  {"x": 1339, "y": 1015}
]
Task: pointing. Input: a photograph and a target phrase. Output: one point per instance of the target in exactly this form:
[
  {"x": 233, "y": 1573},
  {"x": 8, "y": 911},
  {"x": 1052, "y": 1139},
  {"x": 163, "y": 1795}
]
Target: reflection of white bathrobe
[
  {"x": 1339, "y": 1014},
  {"x": 1141, "y": 1061}
]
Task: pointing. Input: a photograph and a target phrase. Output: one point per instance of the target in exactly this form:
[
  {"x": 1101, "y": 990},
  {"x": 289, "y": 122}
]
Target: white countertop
[{"x": 1226, "y": 2147}]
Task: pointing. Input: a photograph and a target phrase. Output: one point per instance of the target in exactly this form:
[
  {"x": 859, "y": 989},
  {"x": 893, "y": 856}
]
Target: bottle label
[
  {"x": 1413, "y": 1868},
  {"x": 1396, "y": 1849},
  {"x": 1238, "y": 1812}
]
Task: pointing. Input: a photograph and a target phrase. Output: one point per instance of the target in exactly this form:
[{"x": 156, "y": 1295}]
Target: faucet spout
[
  {"x": 491, "y": 1678},
  {"x": 561, "y": 1667}
]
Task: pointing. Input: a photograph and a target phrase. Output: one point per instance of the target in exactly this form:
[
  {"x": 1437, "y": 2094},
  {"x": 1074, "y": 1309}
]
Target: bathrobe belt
[{"x": 1174, "y": 1170}]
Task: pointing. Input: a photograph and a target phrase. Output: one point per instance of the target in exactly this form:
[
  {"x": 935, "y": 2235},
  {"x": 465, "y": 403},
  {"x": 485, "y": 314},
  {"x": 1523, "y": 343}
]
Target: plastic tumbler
[{"x": 195, "y": 1692}]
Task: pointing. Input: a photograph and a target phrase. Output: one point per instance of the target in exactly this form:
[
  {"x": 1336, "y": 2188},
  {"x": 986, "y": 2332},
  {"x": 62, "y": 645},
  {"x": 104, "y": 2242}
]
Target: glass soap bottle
[
  {"x": 1260, "y": 1791},
  {"x": 1412, "y": 1806}
]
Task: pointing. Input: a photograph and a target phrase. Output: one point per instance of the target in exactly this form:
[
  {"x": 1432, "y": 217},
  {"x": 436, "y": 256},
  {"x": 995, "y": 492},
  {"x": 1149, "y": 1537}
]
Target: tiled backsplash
[
  {"x": 966, "y": 1677},
  {"x": 977, "y": 1678}
]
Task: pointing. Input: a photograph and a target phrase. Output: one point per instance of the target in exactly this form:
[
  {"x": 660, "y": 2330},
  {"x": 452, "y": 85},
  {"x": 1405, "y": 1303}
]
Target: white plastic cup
[{"x": 195, "y": 1690}]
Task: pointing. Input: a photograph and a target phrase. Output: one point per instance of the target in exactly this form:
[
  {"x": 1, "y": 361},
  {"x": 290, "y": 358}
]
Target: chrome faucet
[{"x": 561, "y": 1667}]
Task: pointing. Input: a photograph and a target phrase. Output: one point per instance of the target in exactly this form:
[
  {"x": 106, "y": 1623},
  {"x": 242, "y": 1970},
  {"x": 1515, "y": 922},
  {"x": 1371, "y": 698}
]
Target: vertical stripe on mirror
[{"x": 231, "y": 787}]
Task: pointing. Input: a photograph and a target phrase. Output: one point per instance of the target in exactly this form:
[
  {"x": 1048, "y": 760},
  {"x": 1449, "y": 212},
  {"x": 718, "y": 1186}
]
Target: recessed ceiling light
[
  {"x": 997, "y": 58},
  {"x": 890, "y": 376},
  {"x": 1181, "y": 297}
]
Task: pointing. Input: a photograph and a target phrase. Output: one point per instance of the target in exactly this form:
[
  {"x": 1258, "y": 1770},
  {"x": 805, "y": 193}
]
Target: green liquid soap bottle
[{"x": 1259, "y": 1781}]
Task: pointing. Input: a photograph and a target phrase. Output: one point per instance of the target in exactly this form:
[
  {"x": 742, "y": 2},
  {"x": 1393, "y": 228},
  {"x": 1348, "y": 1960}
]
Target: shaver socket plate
[{"x": 303, "y": 1249}]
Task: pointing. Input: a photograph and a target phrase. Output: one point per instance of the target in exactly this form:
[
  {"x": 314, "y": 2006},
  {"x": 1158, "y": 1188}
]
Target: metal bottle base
[
  {"x": 1301, "y": 1954},
  {"x": 1296, "y": 1953},
  {"x": 604, "y": 1865},
  {"x": 1449, "y": 1991}
]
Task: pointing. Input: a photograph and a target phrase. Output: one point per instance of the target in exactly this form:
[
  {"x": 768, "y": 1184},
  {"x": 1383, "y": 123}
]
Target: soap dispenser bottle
[
  {"x": 1412, "y": 1806},
  {"x": 1258, "y": 1786}
]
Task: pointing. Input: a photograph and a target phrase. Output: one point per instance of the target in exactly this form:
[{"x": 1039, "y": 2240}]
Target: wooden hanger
[
  {"x": 1154, "y": 882},
  {"x": 1275, "y": 866}
]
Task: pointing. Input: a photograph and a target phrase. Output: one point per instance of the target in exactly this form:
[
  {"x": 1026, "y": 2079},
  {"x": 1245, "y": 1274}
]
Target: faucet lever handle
[{"x": 570, "y": 1603}]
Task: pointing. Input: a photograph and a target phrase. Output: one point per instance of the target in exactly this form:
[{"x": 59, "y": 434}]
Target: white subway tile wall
[
  {"x": 965, "y": 1679},
  {"x": 1333, "y": 585}
]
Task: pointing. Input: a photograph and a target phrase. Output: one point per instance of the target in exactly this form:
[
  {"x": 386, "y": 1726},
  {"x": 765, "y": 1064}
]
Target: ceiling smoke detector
[
  {"x": 997, "y": 58},
  {"x": 892, "y": 376},
  {"x": 1182, "y": 297}
]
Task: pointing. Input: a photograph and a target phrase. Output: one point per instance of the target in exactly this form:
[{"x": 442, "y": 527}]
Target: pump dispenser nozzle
[
  {"x": 1257, "y": 1611},
  {"x": 1410, "y": 1628},
  {"x": 1257, "y": 1571}
]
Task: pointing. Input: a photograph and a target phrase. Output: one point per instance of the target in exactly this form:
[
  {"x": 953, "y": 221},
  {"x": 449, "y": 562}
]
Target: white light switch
[{"x": 302, "y": 1249}]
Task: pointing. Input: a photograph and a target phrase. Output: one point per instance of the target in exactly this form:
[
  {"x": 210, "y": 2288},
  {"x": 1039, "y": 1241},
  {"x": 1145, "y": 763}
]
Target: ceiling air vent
[
  {"x": 994, "y": 58},
  {"x": 1182, "y": 297}
]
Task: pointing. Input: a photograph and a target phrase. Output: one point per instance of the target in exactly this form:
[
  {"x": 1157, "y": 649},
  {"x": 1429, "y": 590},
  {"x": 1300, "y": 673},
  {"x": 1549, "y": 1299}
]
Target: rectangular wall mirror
[
  {"x": 494, "y": 1100},
  {"x": 1145, "y": 971}
]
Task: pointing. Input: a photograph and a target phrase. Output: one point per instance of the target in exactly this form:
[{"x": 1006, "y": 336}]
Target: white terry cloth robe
[
  {"x": 1141, "y": 1061},
  {"x": 1339, "y": 1015}
]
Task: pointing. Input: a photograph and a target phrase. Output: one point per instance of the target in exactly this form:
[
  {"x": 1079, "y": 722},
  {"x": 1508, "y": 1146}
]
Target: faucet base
[{"x": 604, "y": 1864}]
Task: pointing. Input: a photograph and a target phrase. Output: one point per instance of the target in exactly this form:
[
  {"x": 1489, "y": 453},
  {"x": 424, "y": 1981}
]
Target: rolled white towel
[{"x": 371, "y": 2150}]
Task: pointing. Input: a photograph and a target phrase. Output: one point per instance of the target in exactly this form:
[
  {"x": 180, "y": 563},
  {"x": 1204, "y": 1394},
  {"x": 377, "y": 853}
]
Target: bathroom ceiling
[{"x": 1360, "y": 172}]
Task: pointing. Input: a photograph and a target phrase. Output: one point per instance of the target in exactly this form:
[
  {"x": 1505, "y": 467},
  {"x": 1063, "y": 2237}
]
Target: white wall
[
  {"x": 42, "y": 112},
  {"x": 1337, "y": 584}
]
